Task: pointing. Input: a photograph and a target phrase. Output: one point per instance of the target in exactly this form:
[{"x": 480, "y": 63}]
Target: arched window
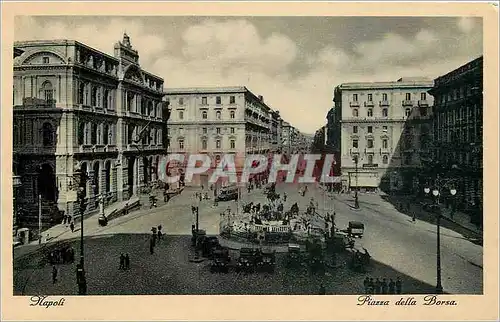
[
  {"x": 204, "y": 144},
  {"x": 93, "y": 134},
  {"x": 407, "y": 112},
  {"x": 93, "y": 96},
  {"x": 355, "y": 113},
  {"x": 105, "y": 134},
  {"x": 107, "y": 176},
  {"x": 81, "y": 93},
  {"x": 217, "y": 115},
  {"x": 48, "y": 91},
  {"x": 385, "y": 159},
  {"x": 48, "y": 134},
  {"x": 105, "y": 99},
  {"x": 96, "y": 178},
  {"x": 370, "y": 159},
  {"x": 204, "y": 115},
  {"x": 81, "y": 133},
  {"x": 370, "y": 112},
  {"x": 151, "y": 110},
  {"x": 231, "y": 114}
]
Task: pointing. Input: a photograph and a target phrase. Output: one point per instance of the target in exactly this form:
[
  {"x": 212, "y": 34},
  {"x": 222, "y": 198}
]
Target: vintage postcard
[{"x": 249, "y": 161}]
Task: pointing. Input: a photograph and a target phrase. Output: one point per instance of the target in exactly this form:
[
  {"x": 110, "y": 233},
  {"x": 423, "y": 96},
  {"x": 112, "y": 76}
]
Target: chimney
[{"x": 261, "y": 98}]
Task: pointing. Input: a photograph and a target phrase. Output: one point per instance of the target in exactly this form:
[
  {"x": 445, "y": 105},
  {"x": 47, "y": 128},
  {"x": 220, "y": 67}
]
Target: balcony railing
[
  {"x": 354, "y": 104},
  {"x": 384, "y": 103},
  {"x": 407, "y": 103},
  {"x": 423, "y": 103},
  {"x": 369, "y": 104}
]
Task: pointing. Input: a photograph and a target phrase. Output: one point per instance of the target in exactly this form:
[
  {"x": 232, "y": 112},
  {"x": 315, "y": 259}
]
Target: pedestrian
[
  {"x": 284, "y": 196},
  {"x": 160, "y": 234},
  {"x": 122, "y": 261},
  {"x": 399, "y": 286},
  {"x": 202, "y": 187},
  {"x": 377, "y": 286},
  {"x": 366, "y": 284},
  {"x": 64, "y": 220},
  {"x": 127, "y": 261},
  {"x": 413, "y": 217},
  {"x": 392, "y": 286},
  {"x": 72, "y": 226},
  {"x": 371, "y": 286},
  {"x": 322, "y": 290},
  {"x": 54, "y": 274},
  {"x": 384, "y": 286},
  {"x": 151, "y": 246}
]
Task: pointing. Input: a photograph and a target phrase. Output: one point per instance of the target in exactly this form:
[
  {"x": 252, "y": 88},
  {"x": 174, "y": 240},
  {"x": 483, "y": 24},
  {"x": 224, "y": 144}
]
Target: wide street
[{"x": 399, "y": 247}]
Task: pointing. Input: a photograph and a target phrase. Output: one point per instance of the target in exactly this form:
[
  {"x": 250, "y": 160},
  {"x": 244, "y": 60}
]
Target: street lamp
[
  {"x": 436, "y": 193},
  {"x": 16, "y": 184},
  {"x": 80, "y": 179},
  {"x": 356, "y": 202}
]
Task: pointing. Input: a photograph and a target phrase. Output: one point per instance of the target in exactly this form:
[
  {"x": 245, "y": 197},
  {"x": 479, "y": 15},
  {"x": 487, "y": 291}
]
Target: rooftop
[{"x": 406, "y": 82}]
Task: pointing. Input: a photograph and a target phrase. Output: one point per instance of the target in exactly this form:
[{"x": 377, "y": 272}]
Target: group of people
[
  {"x": 124, "y": 261},
  {"x": 62, "y": 255},
  {"x": 383, "y": 286}
]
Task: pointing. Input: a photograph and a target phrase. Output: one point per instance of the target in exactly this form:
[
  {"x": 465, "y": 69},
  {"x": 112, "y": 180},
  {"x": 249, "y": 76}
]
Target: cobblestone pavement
[{"x": 398, "y": 246}]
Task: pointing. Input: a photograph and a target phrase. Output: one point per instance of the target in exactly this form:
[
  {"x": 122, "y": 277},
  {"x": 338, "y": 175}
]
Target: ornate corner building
[{"x": 76, "y": 107}]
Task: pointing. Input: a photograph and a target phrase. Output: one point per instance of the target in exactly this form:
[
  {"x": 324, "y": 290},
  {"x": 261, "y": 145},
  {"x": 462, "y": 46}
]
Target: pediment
[
  {"x": 39, "y": 58},
  {"x": 134, "y": 74}
]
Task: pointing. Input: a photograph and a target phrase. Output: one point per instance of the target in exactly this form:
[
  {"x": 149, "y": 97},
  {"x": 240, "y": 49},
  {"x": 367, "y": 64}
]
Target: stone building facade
[
  {"x": 77, "y": 107},
  {"x": 376, "y": 122},
  {"x": 458, "y": 131},
  {"x": 217, "y": 121}
]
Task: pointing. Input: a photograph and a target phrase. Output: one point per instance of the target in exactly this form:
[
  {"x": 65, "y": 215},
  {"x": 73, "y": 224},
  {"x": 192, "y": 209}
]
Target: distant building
[
  {"x": 77, "y": 107},
  {"x": 371, "y": 121},
  {"x": 458, "y": 132},
  {"x": 220, "y": 120}
]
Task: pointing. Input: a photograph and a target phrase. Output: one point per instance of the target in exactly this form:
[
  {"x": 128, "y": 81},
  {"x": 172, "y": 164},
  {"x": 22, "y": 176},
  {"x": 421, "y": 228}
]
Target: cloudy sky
[{"x": 294, "y": 62}]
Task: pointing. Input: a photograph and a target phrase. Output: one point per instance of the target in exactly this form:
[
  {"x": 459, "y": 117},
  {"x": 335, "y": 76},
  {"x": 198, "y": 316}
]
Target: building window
[
  {"x": 105, "y": 134},
  {"x": 217, "y": 144},
  {"x": 423, "y": 96},
  {"x": 370, "y": 112},
  {"x": 45, "y": 60},
  {"x": 106, "y": 99},
  {"x": 93, "y": 134},
  {"x": 407, "y": 112},
  {"x": 81, "y": 133},
  {"x": 217, "y": 115},
  {"x": 355, "y": 129},
  {"x": 370, "y": 97},
  {"x": 47, "y": 134},
  {"x": 204, "y": 100},
  {"x": 181, "y": 115},
  {"x": 130, "y": 134},
  {"x": 48, "y": 92},
  {"x": 384, "y": 128},
  {"x": 408, "y": 96},
  {"x": 233, "y": 144},
  {"x": 385, "y": 159},
  {"x": 181, "y": 144},
  {"x": 384, "y": 144},
  {"x": 81, "y": 93},
  {"x": 355, "y": 113},
  {"x": 232, "y": 130},
  {"x": 204, "y": 115},
  {"x": 355, "y": 144},
  {"x": 370, "y": 129},
  {"x": 369, "y": 144},
  {"x": 217, "y": 130},
  {"x": 217, "y": 100},
  {"x": 384, "y": 97},
  {"x": 354, "y": 97},
  {"x": 181, "y": 101},
  {"x": 204, "y": 144},
  {"x": 204, "y": 130},
  {"x": 384, "y": 112},
  {"x": 232, "y": 99},
  {"x": 93, "y": 97},
  {"x": 181, "y": 131},
  {"x": 370, "y": 159},
  {"x": 231, "y": 114}
]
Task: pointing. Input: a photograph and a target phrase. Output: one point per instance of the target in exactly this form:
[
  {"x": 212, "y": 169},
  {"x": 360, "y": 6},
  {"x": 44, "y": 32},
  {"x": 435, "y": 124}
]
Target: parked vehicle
[
  {"x": 356, "y": 229},
  {"x": 221, "y": 260},
  {"x": 267, "y": 261},
  {"x": 227, "y": 194},
  {"x": 247, "y": 260}
]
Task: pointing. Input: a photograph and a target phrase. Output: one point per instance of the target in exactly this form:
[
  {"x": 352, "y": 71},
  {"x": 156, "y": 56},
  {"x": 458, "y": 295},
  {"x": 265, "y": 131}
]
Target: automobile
[
  {"x": 294, "y": 257},
  {"x": 356, "y": 229},
  {"x": 208, "y": 245},
  {"x": 227, "y": 194},
  {"x": 267, "y": 261},
  {"x": 102, "y": 220},
  {"x": 247, "y": 260},
  {"x": 220, "y": 261}
]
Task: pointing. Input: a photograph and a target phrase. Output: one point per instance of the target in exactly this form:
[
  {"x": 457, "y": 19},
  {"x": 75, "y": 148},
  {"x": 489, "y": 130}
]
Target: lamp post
[
  {"x": 16, "y": 184},
  {"x": 436, "y": 193},
  {"x": 81, "y": 180},
  {"x": 356, "y": 202}
]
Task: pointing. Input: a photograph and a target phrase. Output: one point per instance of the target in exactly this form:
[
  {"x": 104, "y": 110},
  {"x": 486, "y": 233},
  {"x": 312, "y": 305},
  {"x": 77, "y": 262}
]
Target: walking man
[
  {"x": 127, "y": 261},
  {"x": 72, "y": 226},
  {"x": 160, "y": 234}
]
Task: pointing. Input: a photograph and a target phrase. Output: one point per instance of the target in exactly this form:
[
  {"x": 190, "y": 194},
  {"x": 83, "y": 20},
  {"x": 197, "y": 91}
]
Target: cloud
[{"x": 297, "y": 82}]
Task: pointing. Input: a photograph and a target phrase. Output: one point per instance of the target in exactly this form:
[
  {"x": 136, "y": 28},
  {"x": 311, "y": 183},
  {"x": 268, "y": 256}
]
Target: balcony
[
  {"x": 369, "y": 104},
  {"x": 423, "y": 103},
  {"x": 354, "y": 104},
  {"x": 384, "y": 103},
  {"x": 407, "y": 103}
]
